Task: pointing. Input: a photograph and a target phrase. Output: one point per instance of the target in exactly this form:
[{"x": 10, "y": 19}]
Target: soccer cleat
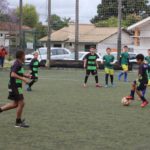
[
  {"x": 106, "y": 86},
  {"x": 98, "y": 86},
  {"x": 22, "y": 124},
  {"x": 84, "y": 85},
  {"x": 112, "y": 85},
  {"x": 145, "y": 103},
  {"x": 129, "y": 98}
]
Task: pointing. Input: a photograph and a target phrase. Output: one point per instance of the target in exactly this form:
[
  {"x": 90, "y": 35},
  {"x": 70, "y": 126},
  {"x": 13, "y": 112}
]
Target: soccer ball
[{"x": 125, "y": 101}]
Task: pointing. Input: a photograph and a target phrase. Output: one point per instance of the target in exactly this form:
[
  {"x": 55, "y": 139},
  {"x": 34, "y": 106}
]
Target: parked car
[
  {"x": 81, "y": 56},
  {"x": 56, "y": 54}
]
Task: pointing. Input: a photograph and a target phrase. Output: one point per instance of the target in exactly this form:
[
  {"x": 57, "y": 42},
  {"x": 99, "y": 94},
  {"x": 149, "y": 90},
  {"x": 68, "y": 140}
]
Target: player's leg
[
  {"x": 86, "y": 77},
  {"x": 132, "y": 92},
  {"x": 95, "y": 73},
  {"x": 121, "y": 73},
  {"x": 106, "y": 77},
  {"x": 9, "y": 106},
  {"x": 19, "y": 111},
  {"x": 111, "y": 72},
  {"x": 140, "y": 88}
]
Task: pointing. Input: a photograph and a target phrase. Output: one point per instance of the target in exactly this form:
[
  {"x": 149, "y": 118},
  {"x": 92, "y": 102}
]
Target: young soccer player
[
  {"x": 15, "y": 89},
  {"x": 124, "y": 59},
  {"x": 91, "y": 66},
  {"x": 109, "y": 71},
  {"x": 34, "y": 66},
  {"x": 147, "y": 59},
  {"x": 141, "y": 83}
]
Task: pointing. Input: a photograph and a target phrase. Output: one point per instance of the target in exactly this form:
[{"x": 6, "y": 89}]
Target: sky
[{"x": 63, "y": 8}]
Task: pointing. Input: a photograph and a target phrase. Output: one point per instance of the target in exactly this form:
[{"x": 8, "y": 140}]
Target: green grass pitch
[{"x": 65, "y": 116}]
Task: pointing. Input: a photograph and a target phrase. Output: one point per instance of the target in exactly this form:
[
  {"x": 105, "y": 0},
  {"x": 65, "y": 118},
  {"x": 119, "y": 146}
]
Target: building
[
  {"x": 140, "y": 35},
  {"x": 9, "y": 34},
  {"x": 89, "y": 34}
]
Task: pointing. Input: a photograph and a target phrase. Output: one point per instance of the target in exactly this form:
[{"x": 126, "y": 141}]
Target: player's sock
[
  {"x": 18, "y": 120},
  {"x": 31, "y": 83},
  {"x": 96, "y": 79},
  {"x": 143, "y": 99},
  {"x": 106, "y": 79},
  {"x": 112, "y": 79},
  {"x": 143, "y": 92},
  {"x": 125, "y": 76},
  {"x": 86, "y": 79},
  {"x": 120, "y": 75},
  {"x": 132, "y": 93},
  {"x": 1, "y": 110}
]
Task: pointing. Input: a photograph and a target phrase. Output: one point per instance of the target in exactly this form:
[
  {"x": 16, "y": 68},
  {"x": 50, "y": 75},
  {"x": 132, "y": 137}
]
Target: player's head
[
  {"x": 140, "y": 58},
  {"x": 125, "y": 49},
  {"x": 108, "y": 50},
  {"x": 92, "y": 49},
  {"x": 148, "y": 52},
  {"x": 20, "y": 55},
  {"x": 36, "y": 54}
]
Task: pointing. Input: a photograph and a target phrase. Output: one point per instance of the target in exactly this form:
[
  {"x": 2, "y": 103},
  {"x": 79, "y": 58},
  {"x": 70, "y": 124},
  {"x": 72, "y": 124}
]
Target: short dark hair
[
  {"x": 148, "y": 50},
  {"x": 94, "y": 47},
  {"x": 140, "y": 57},
  {"x": 125, "y": 46},
  {"x": 19, "y": 54},
  {"x": 108, "y": 48}
]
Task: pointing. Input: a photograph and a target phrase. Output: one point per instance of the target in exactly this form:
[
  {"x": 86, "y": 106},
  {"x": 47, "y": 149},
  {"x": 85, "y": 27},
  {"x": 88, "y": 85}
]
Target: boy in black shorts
[
  {"x": 91, "y": 66},
  {"x": 17, "y": 76},
  {"x": 140, "y": 84},
  {"x": 34, "y": 67}
]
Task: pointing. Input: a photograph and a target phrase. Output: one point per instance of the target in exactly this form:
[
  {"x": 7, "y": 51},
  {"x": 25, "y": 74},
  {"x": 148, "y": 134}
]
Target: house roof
[
  {"x": 8, "y": 26},
  {"x": 139, "y": 24},
  {"x": 88, "y": 33}
]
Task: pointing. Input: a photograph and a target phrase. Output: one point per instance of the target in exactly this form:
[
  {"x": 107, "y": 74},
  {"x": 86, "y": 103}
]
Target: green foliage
[
  {"x": 41, "y": 30},
  {"x": 109, "y": 8},
  {"x": 58, "y": 22},
  {"x": 113, "y": 21},
  {"x": 30, "y": 15}
]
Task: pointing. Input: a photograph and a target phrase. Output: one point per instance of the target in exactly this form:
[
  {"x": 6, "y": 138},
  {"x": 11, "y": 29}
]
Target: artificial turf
[{"x": 65, "y": 116}]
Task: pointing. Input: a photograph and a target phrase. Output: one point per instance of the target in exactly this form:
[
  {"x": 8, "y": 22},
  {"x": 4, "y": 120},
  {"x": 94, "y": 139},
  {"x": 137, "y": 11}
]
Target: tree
[
  {"x": 41, "y": 30},
  {"x": 30, "y": 15},
  {"x": 109, "y": 8},
  {"x": 58, "y": 22}
]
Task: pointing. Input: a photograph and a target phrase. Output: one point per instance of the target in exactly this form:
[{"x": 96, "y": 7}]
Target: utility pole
[
  {"x": 77, "y": 30},
  {"x": 49, "y": 35},
  {"x": 119, "y": 43},
  {"x": 20, "y": 25}
]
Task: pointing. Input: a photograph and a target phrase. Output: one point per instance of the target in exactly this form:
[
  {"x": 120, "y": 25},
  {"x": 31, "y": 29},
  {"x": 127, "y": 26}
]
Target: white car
[
  {"x": 56, "y": 54},
  {"x": 81, "y": 56}
]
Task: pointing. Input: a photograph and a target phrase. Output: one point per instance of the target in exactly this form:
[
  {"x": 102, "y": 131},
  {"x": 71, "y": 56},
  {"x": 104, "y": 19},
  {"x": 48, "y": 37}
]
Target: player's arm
[
  {"x": 14, "y": 75},
  {"x": 113, "y": 61},
  {"x": 85, "y": 63},
  {"x": 97, "y": 64}
]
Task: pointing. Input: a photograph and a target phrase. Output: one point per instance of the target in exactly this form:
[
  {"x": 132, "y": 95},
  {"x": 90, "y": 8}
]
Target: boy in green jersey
[
  {"x": 34, "y": 67},
  {"x": 147, "y": 59},
  {"x": 124, "y": 59},
  {"x": 108, "y": 61},
  {"x": 91, "y": 66}
]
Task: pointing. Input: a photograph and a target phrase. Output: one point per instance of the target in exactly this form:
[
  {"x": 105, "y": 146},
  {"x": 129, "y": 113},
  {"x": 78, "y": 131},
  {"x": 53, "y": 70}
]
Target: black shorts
[
  {"x": 93, "y": 72},
  {"x": 14, "y": 94},
  {"x": 141, "y": 86}
]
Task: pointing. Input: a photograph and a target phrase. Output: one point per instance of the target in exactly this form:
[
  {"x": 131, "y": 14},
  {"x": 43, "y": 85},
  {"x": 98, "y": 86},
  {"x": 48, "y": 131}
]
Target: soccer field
[{"x": 65, "y": 116}]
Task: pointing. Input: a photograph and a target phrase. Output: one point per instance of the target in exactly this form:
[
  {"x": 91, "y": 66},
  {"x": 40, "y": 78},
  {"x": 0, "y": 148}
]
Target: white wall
[{"x": 112, "y": 42}]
